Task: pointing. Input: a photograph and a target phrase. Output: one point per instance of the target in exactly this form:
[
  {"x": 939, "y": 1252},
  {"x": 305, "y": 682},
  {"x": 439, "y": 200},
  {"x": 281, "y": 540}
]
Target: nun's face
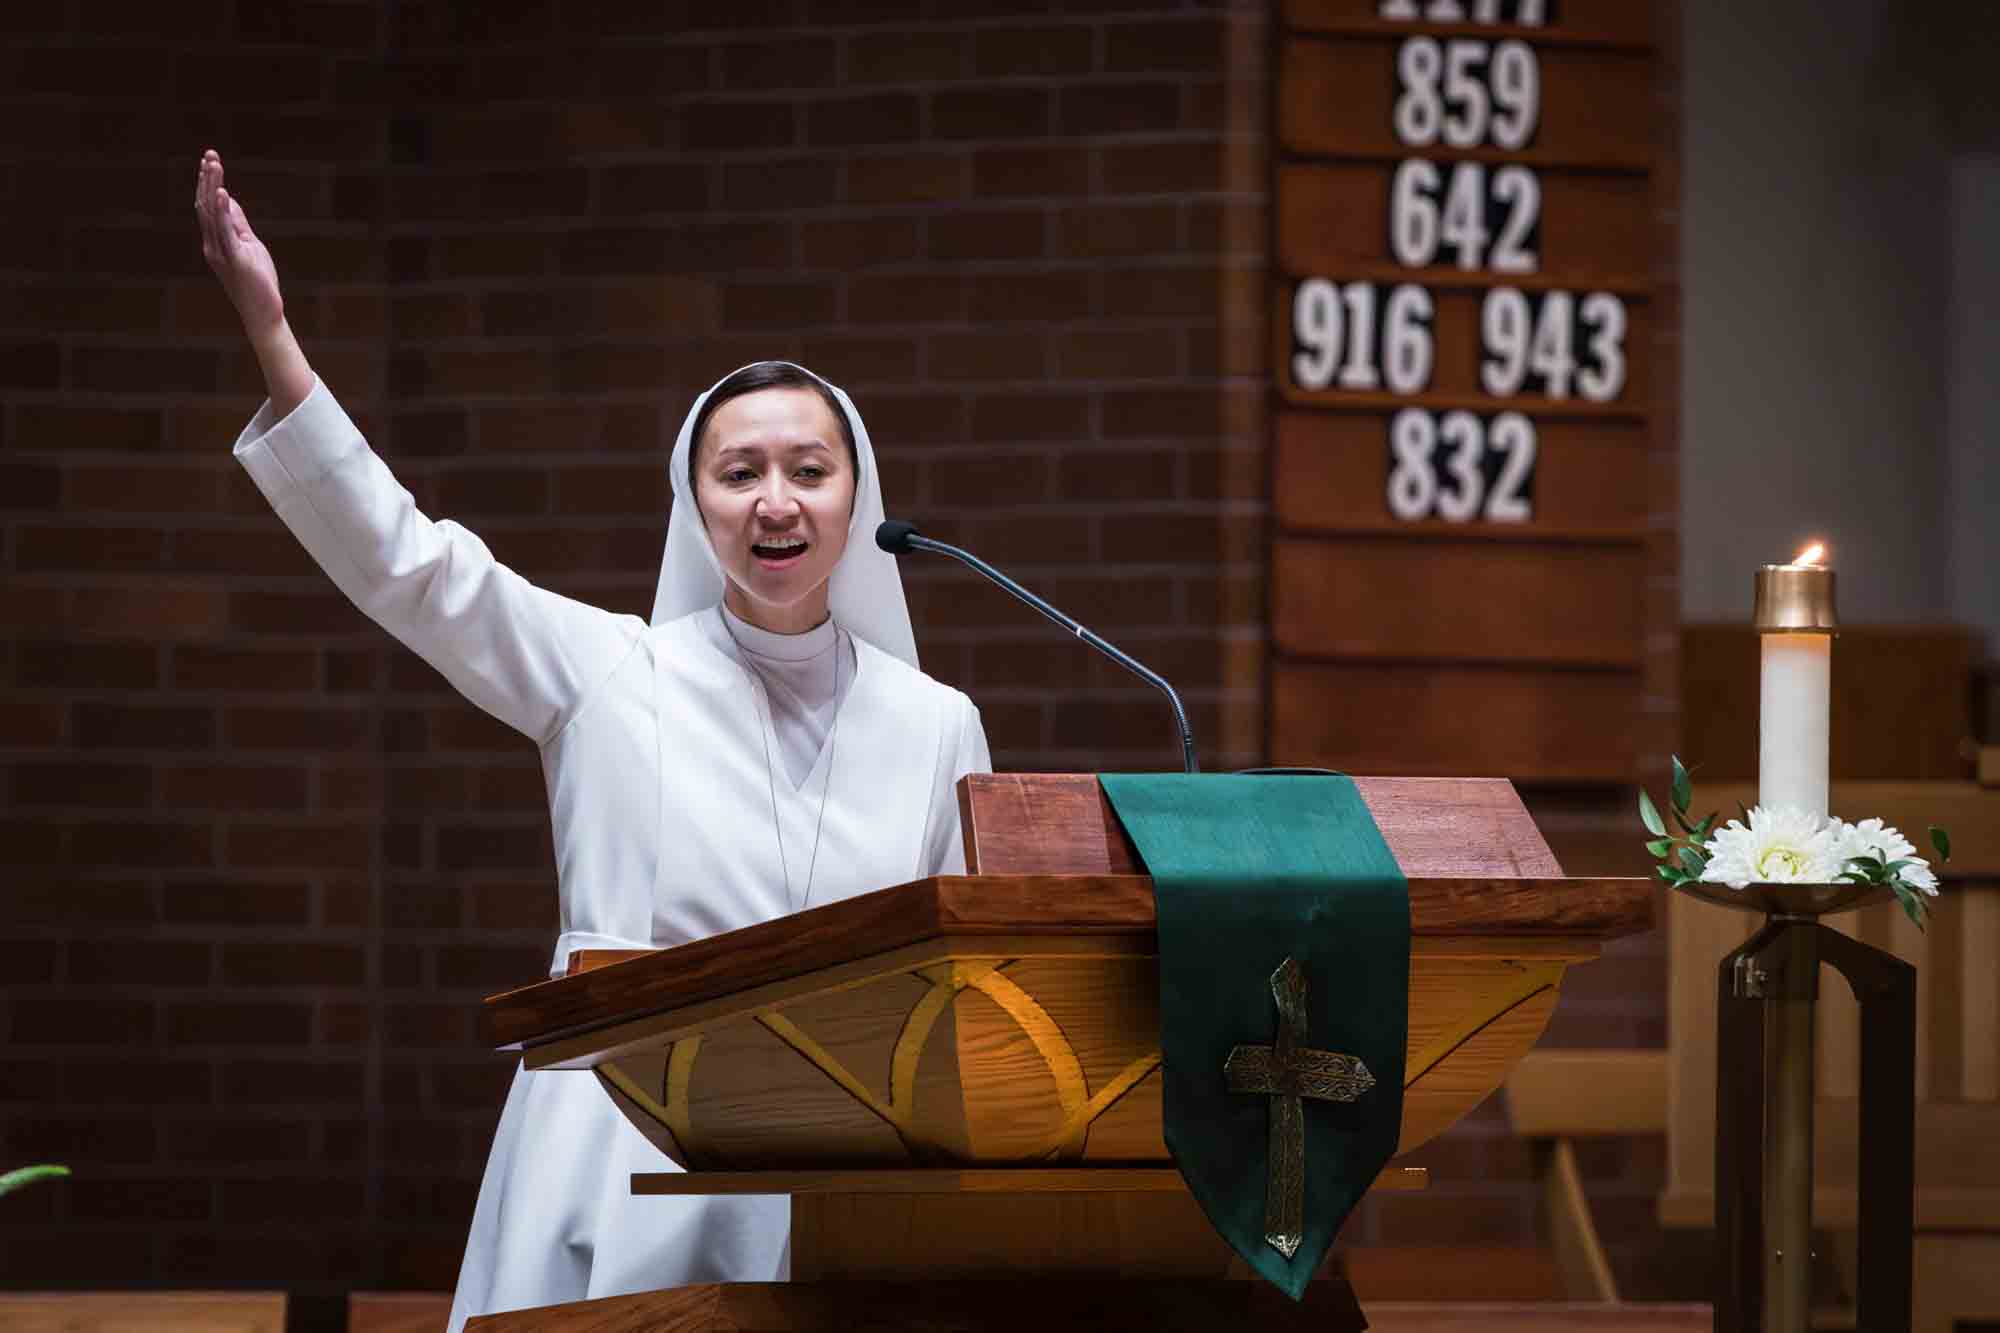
[{"x": 775, "y": 490}]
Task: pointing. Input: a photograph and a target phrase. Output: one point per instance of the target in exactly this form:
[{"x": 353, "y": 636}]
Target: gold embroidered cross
[{"x": 1289, "y": 1071}]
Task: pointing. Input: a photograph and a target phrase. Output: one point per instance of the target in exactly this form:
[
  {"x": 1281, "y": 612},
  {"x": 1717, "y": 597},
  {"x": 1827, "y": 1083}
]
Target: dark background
[{"x": 257, "y": 863}]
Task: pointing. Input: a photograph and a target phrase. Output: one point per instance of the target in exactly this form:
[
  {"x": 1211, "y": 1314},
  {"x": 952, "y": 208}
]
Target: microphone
[{"x": 899, "y": 538}]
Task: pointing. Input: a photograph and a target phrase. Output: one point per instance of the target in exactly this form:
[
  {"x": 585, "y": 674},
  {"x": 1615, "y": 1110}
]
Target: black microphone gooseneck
[{"x": 899, "y": 538}]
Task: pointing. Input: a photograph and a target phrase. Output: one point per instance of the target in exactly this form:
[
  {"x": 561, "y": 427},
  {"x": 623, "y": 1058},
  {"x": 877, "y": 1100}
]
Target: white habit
[{"x": 654, "y": 744}]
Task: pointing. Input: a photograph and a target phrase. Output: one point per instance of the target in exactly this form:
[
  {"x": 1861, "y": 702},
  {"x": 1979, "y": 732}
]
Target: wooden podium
[{"x": 956, "y": 1079}]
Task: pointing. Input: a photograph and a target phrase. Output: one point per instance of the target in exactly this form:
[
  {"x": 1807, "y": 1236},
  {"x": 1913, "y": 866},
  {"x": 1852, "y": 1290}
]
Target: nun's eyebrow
[{"x": 753, "y": 447}]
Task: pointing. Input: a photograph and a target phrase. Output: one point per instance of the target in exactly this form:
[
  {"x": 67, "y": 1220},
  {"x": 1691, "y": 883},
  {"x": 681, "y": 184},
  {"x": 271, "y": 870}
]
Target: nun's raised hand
[
  {"x": 234, "y": 253},
  {"x": 247, "y": 274}
]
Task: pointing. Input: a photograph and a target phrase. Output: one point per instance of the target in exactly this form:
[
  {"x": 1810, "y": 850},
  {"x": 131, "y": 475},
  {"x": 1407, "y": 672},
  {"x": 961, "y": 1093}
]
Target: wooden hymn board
[{"x": 1463, "y": 354}]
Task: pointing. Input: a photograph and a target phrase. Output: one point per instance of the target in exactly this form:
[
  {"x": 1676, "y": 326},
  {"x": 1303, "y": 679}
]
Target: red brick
[
  {"x": 312, "y": 1083},
  {"x": 289, "y": 961},
  {"x": 781, "y": 185},
  {"x": 76, "y": 1255},
  {"x": 233, "y": 1141},
  {"x": 518, "y": 788},
  {"x": 94, "y": 1137},
  {"x": 71, "y": 427},
  {"x": 873, "y": 118},
  {"x": 1025, "y": 540},
  {"x": 915, "y": 419},
  {"x": 1047, "y": 415},
  {"x": 224, "y": 903},
  {"x": 1045, "y": 51},
  {"x": 912, "y": 178},
  {"x": 91, "y": 1198},
  {"x": 88, "y": 549},
  {"x": 97, "y": 71},
  {"x": 651, "y": 187},
  {"x": 32, "y": 722},
  {"x": 30, "y": 365},
  {"x": 906, "y": 57},
  {"x": 1024, "y": 172},
  {"x": 512, "y": 904},
  {"x": 287, "y": 1200},
  {"x": 312, "y": 729},
  {"x": 723, "y": 127},
  {"x": 777, "y": 304},
  {"x": 1163, "y": 168},
  {"x": 223, "y": 1024},
  {"x": 851, "y": 243},
  {"x": 1132, "y": 229},
  {"x": 136, "y": 1080},
  {"x": 131, "y": 665},
  {"x": 85, "y": 307},
  {"x": 77, "y": 1018},
  {"x": 138, "y": 962},
  {"x": 144, "y": 726},
  {"x": 346, "y": 846},
  {"x": 33, "y": 902},
  {"x": 986, "y": 356},
  {"x": 146, "y": 490},
  {"x": 316, "y": 613},
  {"x": 1120, "y": 476},
  {"x": 173, "y": 846},
  {"x": 1161, "y": 412},
  {"x": 990, "y": 113},
  {"x": 962, "y": 236},
  {"x": 852, "y": 360},
  {"x": 222, "y": 790},
  {"x": 1161, "y": 292},
  {"x": 480, "y": 1086},
  {"x": 1161, "y": 44},
  {"x": 492, "y": 847},
  {"x": 807, "y": 62},
  {"x": 25, "y": 842},
  {"x": 105, "y": 786},
  {"x": 29, "y": 486},
  {"x": 997, "y": 297},
  {"x": 463, "y": 728},
  {"x": 167, "y": 611},
  {"x": 907, "y": 299},
  {"x": 254, "y": 670}
]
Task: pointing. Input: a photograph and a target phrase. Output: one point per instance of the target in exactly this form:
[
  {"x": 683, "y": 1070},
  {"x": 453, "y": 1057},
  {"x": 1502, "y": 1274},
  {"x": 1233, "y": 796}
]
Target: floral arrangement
[
  {"x": 1785, "y": 845},
  {"x": 28, "y": 1175}
]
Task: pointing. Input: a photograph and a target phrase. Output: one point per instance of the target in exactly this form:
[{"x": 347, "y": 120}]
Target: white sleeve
[
  {"x": 522, "y": 653},
  {"x": 946, "y": 853}
]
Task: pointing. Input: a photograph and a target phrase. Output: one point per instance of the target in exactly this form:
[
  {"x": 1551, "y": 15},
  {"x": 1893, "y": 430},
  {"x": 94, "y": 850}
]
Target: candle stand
[{"x": 1767, "y": 995}]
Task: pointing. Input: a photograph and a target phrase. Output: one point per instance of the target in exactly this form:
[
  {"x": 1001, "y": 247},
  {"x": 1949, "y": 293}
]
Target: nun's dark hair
[{"x": 769, "y": 375}]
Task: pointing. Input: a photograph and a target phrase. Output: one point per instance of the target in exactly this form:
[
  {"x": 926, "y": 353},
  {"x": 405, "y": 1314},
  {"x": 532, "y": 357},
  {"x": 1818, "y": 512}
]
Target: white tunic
[{"x": 654, "y": 750}]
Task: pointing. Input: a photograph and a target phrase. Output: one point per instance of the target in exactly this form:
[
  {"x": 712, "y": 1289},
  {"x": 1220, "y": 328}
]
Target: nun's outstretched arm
[{"x": 524, "y": 654}]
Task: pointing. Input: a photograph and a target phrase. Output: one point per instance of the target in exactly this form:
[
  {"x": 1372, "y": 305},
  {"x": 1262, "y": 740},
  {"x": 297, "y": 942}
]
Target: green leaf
[
  {"x": 1680, "y": 817},
  {"x": 1683, "y": 790},
  {"x": 1661, "y": 847},
  {"x": 1913, "y": 904},
  {"x": 1649, "y": 815},
  {"x": 1743, "y": 813},
  {"x": 1854, "y": 877},
  {"x": 28, "y": 1175},
  {"x": 1942, "y": 841},
  {"x": 1693, "y": 862},
  {"x": 1706, "y": 827}
]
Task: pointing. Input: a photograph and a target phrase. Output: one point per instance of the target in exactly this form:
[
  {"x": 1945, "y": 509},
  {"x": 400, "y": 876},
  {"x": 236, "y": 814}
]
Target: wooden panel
[
  {"x": 1334, "y": 98},
  {"x": 1899, "y": 697},
  {"x": 1056, "y": 823},
  {"x": 1365, "y": 597},
  {"x": 1606, "y": 22},
  {"x": 398, "y": 1311},
  {"x": 155, "y": 1311},
  {"x": 1577, "y": 725},
  {"x": 1596, "y": 228},
  {"x": 1455, "y": 375},
  {"x": 1331, "y": 474},
  {"x": 1567, "y": 1094},
  {"x": 1074, "y": 1306}
]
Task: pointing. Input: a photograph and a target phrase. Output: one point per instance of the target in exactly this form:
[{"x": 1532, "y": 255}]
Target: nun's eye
[{"x": 736, "y": 476}]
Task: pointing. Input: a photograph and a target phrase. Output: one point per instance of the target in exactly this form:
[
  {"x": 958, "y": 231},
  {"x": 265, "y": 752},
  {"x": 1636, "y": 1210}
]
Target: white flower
[
  {"x": 1871, "y": 837},
  {"x": 1781, "y": 846}
]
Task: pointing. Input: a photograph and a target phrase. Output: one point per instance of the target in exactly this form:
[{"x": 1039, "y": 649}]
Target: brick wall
[{"x": 258, "y": 863}]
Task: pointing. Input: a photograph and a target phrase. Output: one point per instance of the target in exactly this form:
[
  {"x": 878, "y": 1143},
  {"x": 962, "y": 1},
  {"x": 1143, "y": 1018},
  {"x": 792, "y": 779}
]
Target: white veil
[{"x": 865, "y": 594}]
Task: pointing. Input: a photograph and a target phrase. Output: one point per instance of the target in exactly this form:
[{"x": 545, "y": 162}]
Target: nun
[{"x": 765, "y": 744}]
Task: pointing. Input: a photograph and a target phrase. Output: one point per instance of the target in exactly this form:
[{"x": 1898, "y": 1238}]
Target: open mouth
[{"x": 779, "y": 550}]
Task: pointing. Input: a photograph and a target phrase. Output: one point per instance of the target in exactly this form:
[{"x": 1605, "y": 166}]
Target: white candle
[
  {"x": 1794, "y": 615},
  {"x": 1794, "y": 699}
]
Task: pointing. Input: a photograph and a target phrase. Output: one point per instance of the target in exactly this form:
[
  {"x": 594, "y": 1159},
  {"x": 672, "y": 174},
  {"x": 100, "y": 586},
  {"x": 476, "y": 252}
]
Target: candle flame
[{"x": 1812, "y": 555}]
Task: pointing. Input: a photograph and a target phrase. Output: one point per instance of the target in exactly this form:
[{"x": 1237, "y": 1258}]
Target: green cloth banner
[{"x": 1250, "y": 871}]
